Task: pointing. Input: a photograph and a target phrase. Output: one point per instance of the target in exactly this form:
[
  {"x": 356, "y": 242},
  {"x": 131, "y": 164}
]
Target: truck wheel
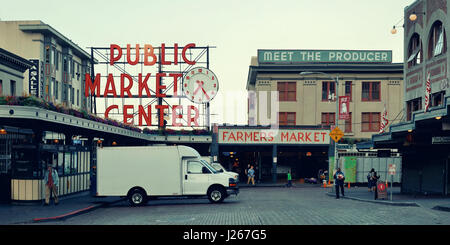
[
  {"x": 137, "y": 197},
  {"x": 216, "y": 195}
]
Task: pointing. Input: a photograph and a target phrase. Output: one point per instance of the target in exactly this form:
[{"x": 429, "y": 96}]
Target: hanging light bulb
[
  {"x": 413, "y": 17},
  {"x": 394, "y": 31}
]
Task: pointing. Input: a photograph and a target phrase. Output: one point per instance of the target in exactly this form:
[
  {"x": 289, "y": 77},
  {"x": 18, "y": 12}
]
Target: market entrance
[{"x": 303, "y": 162}]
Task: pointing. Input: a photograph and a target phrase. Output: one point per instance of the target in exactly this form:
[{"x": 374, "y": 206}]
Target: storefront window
[
  {"x": 24, "y": 164},
  {"x": 67, "y": 158},
  {"x": 60, "y": 167}
]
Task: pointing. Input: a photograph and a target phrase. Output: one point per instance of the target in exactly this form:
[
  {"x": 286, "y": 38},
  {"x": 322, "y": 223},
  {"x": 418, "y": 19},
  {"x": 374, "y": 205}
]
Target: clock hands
[{"x": 200, "y": 86}]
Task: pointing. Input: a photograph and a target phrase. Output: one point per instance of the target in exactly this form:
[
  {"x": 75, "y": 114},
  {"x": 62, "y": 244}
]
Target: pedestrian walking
[
  {"x": 51, "y": 181},
  {"x": 289, "y": 179},
  {"x": 373, "y": 179},
  {"x": 339, "y": 178},
  {"x": 251, "y": 175}
]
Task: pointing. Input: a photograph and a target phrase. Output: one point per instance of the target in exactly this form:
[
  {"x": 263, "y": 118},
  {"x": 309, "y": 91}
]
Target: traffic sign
[{"x": 336, "y": 134}]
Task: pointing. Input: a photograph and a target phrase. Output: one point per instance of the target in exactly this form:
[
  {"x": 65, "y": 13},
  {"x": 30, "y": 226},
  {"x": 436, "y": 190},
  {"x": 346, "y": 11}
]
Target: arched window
[
  {"x": 414, "y": 50},
  {"x": 437, "y": 42}
]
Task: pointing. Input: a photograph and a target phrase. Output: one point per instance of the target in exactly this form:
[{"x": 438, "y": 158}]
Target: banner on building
[
  {"x": 344, "y": 106},
  {"x": 273, "y": 136}
]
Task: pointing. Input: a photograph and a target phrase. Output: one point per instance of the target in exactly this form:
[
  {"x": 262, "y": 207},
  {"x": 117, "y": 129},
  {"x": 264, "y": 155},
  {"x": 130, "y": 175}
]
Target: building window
[
  {"x": 287, "y": 91},
  {"x": 348, "y": 89},
  {"x": 72, "y": 70},
  {"x": 370, "y": 121},
  {"x": 78, "y": 97},
  {"x": 348, "y": 124},
  {"x": 13, "y": 88},
  {"x": 437, "y": 42},
  {"x": 328, "y": 118},
  {"x": 412, "y": 106},
  {"x": 72, "y": 97},
  {"x": 370, "y": 91},
  {"x": 1, "y": 87},
  {"x": 57, "y": 60},
  {"x": 328, "y": 91},
  {"x": 286, "y": 118},
  {"x": 414, "y": 51},
  {"x": 56, "y": 89},
  {"x": 437, "y": 99}
]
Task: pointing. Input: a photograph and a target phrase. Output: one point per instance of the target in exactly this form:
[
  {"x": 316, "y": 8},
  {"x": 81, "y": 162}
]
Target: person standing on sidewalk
[
  {"x": 339, "y": 178},
  {"x": 51, "y": 181},
  {"x": 251, "y": 175},
  {"x": 289, "y": 179}
]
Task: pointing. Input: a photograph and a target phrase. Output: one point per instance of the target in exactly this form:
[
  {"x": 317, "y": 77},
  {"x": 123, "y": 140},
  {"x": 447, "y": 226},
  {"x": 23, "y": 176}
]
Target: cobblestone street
[{"x": 262, "y": 206}]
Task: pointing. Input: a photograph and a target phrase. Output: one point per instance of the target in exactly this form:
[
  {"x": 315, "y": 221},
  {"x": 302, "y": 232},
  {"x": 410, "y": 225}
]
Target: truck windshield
[{"x": 209, "y": 166}]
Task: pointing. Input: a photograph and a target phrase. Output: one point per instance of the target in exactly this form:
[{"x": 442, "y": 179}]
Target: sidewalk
[
  {"x": 36, "y": 212},
  {"x": 362, "y": 194}
]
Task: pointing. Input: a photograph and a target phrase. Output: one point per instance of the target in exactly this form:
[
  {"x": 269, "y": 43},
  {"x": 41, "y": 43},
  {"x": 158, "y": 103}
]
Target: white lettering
[
  {"x": 276, "y": 56},
  {"x": 290, "y": 55},
  {"x": 331, "y": 56},
  {"x": 283, "y": 56},
  {"x": 339, "y": 56},
  {"x": 303, "y": 53},
  {"x": 347, "y": 56},
  {"x": 267, "y": 56},
  {"x": 384, "y": 56}
]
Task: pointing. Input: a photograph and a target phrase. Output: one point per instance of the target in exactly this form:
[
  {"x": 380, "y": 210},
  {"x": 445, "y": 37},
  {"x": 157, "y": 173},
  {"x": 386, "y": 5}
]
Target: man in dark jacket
[{"x": 339, "y": 178}]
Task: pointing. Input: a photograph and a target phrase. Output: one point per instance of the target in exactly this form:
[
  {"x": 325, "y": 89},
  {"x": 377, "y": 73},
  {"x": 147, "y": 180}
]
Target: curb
[
  {"x": 74, "y": 213},
  {"x": 411, "y": 204},
  {"x": 442, "y": 208}
]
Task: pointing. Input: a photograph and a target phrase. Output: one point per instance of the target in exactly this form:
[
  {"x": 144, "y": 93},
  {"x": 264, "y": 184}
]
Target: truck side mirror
[{"x": 205, "y": 170}]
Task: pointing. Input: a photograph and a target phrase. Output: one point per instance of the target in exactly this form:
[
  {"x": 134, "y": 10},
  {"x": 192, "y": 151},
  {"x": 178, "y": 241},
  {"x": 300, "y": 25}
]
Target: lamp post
[{"x": 336, "y": 118}]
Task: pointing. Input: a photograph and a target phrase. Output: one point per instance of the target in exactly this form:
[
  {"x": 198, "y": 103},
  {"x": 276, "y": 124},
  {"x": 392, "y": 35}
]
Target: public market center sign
[
  {"x": 273, "y": 136},
  {"x": 323, "y": 56}
]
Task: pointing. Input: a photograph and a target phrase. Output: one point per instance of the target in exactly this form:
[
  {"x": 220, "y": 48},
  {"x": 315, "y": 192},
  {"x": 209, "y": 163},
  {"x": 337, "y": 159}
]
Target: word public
[{"x": 147, "y": 53}]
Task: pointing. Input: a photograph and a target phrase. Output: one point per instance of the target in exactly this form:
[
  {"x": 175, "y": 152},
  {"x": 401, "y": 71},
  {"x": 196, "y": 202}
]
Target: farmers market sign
[{"x": 324, "y": 56}]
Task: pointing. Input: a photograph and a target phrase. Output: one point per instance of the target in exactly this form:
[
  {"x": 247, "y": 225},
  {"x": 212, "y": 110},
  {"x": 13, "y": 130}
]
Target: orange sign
[{"x": 336, "y": 134}]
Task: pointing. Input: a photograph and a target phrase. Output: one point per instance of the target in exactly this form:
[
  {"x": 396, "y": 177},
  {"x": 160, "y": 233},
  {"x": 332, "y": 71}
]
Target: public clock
[{"x": 200, "y": 85}]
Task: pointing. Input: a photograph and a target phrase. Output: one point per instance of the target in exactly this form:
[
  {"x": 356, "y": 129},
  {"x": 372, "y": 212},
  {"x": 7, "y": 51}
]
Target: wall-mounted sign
[
  {"x": 269, "y": 136},
  {"x": 321, "y": 56},
  {"x": 33, "y": 78}
]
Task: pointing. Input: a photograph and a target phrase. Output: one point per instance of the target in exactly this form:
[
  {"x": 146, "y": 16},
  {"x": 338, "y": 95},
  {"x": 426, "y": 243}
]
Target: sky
[{"x": 237, "y": 28}]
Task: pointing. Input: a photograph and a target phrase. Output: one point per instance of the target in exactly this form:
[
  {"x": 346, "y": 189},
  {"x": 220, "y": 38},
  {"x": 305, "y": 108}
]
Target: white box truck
[{"x": 140, "y": 172}]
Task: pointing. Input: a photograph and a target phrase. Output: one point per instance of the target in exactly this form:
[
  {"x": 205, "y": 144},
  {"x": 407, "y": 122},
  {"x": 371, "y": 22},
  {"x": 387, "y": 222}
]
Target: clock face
[{"x": 200, "y": 85}]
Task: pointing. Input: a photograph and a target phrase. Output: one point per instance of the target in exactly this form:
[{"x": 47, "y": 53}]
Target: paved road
[{"x": 263, "y": 206}]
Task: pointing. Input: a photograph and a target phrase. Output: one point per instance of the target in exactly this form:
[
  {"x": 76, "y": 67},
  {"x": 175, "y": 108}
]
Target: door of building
[{"x": 5, "y": 171}]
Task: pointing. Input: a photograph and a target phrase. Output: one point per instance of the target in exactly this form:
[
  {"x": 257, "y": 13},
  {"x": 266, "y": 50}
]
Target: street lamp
[{"x": 336, "y": 81}]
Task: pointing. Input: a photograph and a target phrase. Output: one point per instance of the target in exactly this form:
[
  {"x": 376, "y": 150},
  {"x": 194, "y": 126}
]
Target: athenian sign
[
  {"x": 322, "y": 56},
  {"x": 272, "y": 136}
]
